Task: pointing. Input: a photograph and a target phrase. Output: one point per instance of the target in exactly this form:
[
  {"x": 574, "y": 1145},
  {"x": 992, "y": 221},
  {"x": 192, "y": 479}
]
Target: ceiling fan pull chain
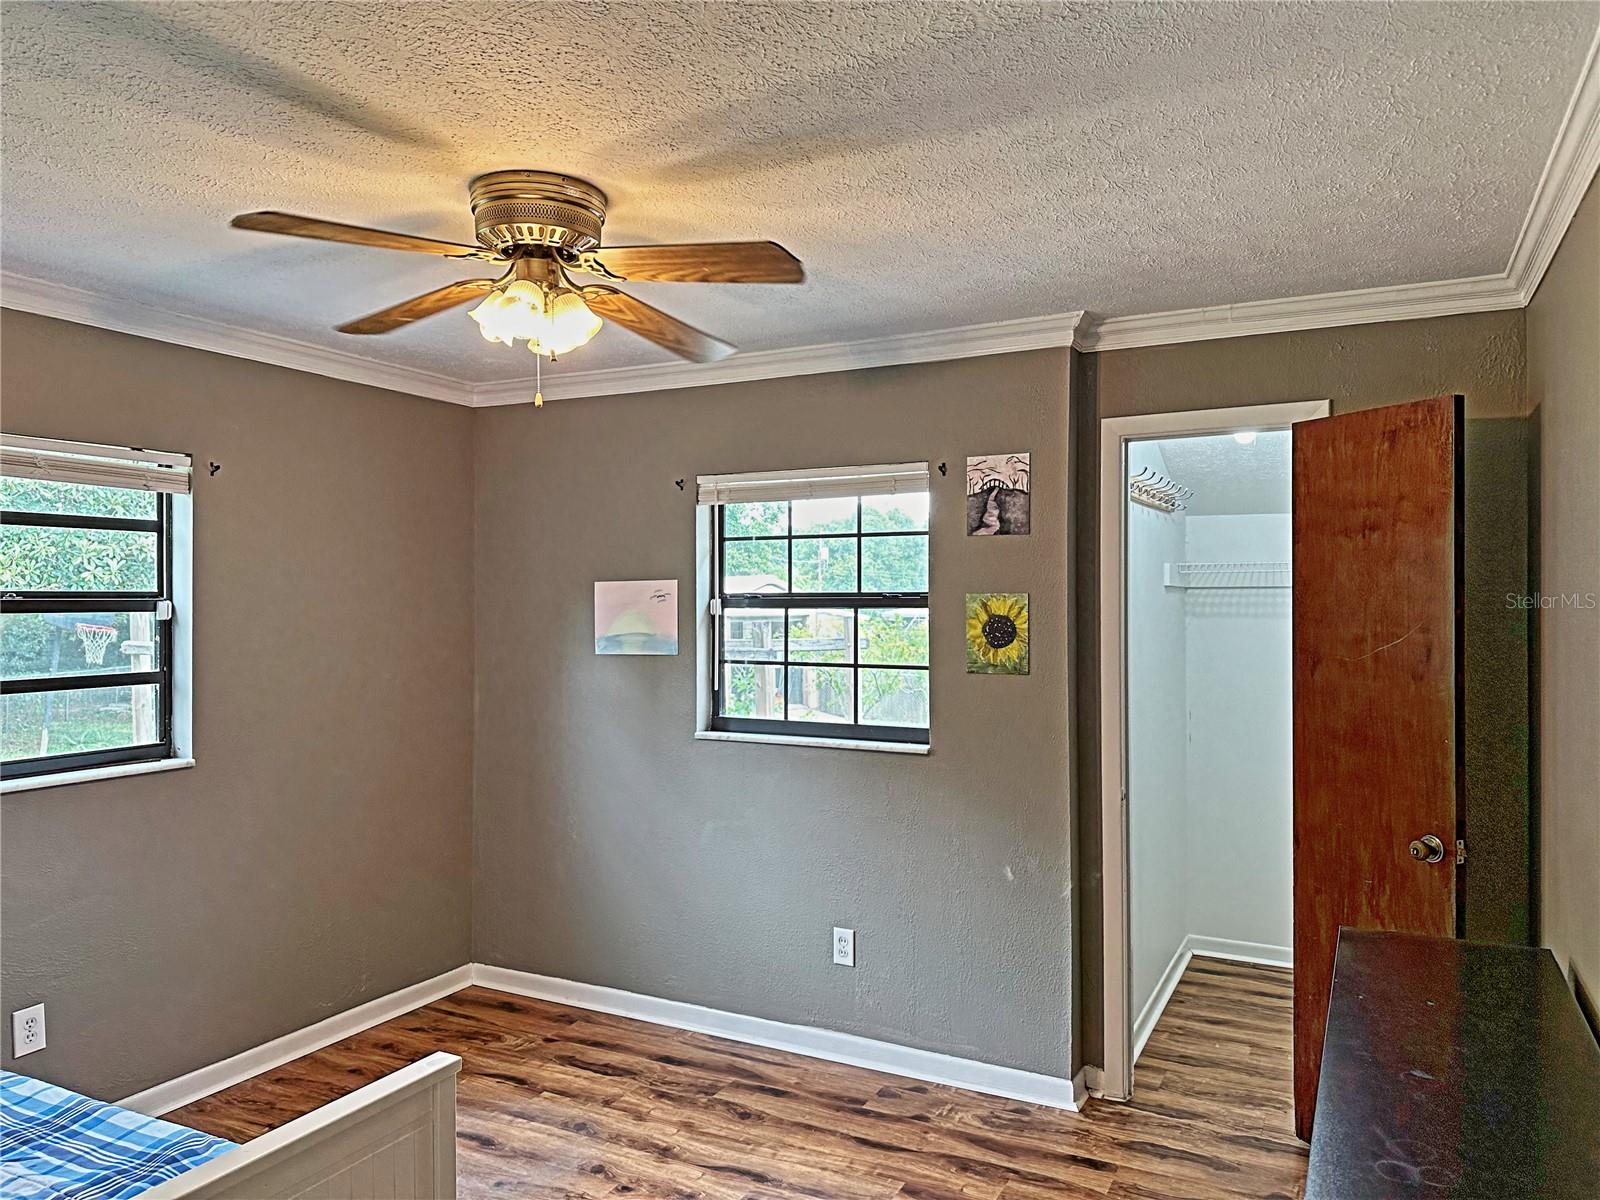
[{"x": 538, "y": 381}]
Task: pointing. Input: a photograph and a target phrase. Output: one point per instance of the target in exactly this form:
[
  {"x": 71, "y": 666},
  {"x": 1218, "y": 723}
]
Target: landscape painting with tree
[{"x": 997, "y": 494}]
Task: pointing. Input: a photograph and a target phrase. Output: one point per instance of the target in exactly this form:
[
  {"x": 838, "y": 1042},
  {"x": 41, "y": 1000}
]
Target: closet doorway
[{"x": 1196, "y": 716}]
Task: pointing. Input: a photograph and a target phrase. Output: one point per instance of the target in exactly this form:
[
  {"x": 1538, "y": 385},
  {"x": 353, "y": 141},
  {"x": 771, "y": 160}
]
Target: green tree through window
[
  {"x": 825, "y": 617},
  {"x": 82, "y": 607}
]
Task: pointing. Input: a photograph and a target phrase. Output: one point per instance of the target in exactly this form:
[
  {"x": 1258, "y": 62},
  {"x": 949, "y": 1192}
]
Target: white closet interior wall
[
  {"x": 1157, "y": 738},
  {"x": 1238, "y": 771},
  {"x": 1209, "y": 712}
]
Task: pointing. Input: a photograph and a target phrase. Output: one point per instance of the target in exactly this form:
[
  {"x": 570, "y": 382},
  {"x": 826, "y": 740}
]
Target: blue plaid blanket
[{"x": 58, "y": 1145}]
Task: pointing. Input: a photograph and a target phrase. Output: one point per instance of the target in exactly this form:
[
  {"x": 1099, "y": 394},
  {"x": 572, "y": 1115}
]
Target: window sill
[
  {"x": 90, "y": 774},
  {"x": 778, "y": 739}
]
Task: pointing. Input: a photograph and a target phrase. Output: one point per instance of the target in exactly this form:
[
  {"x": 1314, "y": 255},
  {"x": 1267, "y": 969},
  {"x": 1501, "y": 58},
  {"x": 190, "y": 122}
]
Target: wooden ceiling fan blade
[
  {"x": 425, "y": 305},
  {"x": 356, "y": 235},
  {"x": 698, "y": 262},
  {"x": 655, "y": 326}
]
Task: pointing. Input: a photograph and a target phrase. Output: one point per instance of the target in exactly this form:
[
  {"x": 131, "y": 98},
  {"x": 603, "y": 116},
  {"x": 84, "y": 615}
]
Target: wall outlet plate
[
  {"x": 844, "y": 947},
  {"x": 27, "y": 1030}
]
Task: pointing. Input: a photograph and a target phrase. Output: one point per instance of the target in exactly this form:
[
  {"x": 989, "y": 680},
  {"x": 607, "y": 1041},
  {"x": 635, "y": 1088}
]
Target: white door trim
[{"x": 1116, "y": 1075}]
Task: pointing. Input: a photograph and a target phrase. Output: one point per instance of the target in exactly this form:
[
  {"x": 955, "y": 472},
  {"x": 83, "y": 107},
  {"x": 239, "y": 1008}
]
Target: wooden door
[{"x": 1377, "y": 650}]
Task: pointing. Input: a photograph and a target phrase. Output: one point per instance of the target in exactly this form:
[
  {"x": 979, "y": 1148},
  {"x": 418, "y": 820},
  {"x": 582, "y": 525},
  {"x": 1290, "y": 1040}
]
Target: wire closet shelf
[{"x": 1228, "y": 575}]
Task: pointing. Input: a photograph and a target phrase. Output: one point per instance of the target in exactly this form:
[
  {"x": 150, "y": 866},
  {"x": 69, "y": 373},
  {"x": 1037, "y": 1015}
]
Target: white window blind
[
  {"x": 86, "y": 462},
  {"x": 758, "y": 486}
]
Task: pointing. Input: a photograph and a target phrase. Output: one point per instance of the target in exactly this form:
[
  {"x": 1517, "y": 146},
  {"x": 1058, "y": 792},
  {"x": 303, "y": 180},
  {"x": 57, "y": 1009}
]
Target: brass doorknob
[{"x": 1427, "y": 848}]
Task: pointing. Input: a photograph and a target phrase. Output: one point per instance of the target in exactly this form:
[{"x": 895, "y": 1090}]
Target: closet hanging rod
[
  {"x": 1149, "y": 478},
  {"x": 1156, "y": 491},
  {"x": 1155, "y": 502}
]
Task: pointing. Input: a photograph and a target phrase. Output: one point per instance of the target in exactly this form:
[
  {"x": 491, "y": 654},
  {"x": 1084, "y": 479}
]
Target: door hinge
[{"x": 1461, "y": 852}]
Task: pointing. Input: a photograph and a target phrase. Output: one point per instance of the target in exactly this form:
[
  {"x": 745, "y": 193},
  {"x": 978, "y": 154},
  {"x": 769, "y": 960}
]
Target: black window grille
[
  {"x": 85, "y": 607},
  {"x": 821, "y": 625}
]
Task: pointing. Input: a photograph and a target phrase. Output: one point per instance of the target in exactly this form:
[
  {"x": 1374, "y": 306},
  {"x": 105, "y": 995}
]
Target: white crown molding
[
  {"x": 51, "y": 299},
  {"x": 971, "y": 341},
  {"x": 1401, "y": 302},
  {"x": 1572, "y": 164}
]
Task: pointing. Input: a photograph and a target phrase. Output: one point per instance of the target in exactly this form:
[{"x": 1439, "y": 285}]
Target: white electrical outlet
[
  {"x": 844, "y": 947},
  {"x": 27, "y": 1030}
]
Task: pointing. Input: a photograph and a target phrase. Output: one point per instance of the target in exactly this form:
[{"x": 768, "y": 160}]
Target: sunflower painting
[{"x": 997, "y": 633}]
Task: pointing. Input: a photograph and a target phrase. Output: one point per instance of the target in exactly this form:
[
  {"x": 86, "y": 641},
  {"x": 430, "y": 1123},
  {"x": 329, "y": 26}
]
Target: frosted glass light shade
[{"x": 550, "y": 324}]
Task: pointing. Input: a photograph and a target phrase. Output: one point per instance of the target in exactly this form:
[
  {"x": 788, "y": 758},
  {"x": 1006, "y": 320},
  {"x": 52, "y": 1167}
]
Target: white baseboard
[
  {"x": 1194, "y": 946},
  {"x": 196, "y": 1085},
  {"x": 926, "y": 1065},
  {"x": 1144, "y": 1025},
  {"x": 1258, "y": 953},
  {"x": 909, "y": 1061},
  {"x": 1080, "y": 1088}
]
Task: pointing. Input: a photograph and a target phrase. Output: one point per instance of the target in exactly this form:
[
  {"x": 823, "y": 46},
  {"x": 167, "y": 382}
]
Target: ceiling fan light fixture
[
  {"x": 510, "y": 312},
  {"x": 552, "y": 321},
  {"x": 571, "y": 325},
  {"x": 541, "y": 225}
]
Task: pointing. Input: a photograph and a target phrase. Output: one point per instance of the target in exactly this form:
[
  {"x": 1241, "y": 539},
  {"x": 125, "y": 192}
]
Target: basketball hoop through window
[{"x": 95, "y": 639}]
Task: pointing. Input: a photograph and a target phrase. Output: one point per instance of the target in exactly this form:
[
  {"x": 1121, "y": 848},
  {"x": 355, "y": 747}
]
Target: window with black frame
[
  {"x": 822, "y": 605},
  {"x": 86, "y": 604}
]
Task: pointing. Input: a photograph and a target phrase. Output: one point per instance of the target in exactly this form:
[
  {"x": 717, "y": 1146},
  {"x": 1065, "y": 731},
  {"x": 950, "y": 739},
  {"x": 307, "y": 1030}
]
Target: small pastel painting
[
  {"x": 997, "y": 495},
  {"x": 997, "y": 633},
  {"x": 636, "y": 616}
]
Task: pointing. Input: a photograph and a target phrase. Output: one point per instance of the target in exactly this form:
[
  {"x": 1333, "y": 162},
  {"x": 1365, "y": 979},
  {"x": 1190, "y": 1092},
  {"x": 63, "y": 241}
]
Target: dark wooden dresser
[{"x": 1454, "y": 1069}]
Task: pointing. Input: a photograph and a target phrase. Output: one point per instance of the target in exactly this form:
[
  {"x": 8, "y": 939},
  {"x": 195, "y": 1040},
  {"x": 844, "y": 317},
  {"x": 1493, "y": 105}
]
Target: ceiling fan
[{"x": 542, "y": 227}]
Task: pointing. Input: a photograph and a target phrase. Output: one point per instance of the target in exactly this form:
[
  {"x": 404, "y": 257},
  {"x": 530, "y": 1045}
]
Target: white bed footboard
[{"x": 393, "y": 1139}]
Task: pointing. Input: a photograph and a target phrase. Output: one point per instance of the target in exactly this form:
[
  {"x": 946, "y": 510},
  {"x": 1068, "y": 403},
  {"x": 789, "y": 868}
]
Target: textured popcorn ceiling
[
  {"x": 934, "y": 165},
  {"x": 1229, "y": 479}
]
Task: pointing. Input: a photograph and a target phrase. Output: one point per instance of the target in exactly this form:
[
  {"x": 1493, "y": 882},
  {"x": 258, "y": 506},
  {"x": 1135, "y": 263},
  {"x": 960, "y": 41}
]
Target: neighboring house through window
[
  {"x": 820, "y": 602},
  {"x": 88, "y": 604}
]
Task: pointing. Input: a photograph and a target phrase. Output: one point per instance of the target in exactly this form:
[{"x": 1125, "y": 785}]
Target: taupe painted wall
[
  {"x": 327, "y": 860},
  {"x": 1564, "y": 390},
  {"x": 615, "y": 849},
  {"x": 1497, "y": 697},
  {"x": 319, "y": 854},
  {"x": 1360, "y": 366}
]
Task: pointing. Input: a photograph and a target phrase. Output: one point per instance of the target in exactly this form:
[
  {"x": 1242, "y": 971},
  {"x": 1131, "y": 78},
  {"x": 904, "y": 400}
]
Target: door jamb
[{"x": 1116, "y": 1074}]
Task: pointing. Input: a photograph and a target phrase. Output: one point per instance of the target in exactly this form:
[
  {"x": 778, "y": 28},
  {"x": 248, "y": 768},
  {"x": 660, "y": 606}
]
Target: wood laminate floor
[{"x": 561, "y": 1102}]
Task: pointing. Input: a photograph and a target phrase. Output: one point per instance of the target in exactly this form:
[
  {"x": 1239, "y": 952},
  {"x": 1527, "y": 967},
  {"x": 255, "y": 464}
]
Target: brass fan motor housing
[{"x": 517, "y": 209}]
